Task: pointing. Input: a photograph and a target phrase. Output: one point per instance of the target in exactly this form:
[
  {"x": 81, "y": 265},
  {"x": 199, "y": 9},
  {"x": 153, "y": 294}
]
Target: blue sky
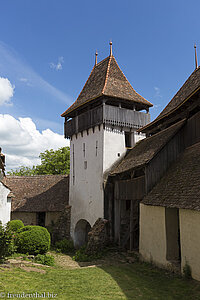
[{"x": 47, "y": 52}]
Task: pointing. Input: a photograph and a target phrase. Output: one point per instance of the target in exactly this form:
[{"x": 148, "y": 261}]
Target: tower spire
[
  {"x": 96, "y": 54},
  {"x": 110, "y": 48},
  {"x": 196, "y": 61}
]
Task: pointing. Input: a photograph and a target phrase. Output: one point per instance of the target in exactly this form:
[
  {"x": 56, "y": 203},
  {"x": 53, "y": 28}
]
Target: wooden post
[
  {"x": 119, "y": 226},
  {"x": 131, "y": 226}
]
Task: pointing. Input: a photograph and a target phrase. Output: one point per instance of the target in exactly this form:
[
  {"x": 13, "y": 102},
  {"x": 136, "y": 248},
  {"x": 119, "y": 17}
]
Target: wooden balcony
[{"x": 106, "y": 114}]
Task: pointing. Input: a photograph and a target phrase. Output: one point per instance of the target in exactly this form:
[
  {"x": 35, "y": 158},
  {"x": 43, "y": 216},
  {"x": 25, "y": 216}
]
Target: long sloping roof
[
  {"x": 146, "y": 149},
  {"x": 190, "y": 87},
  {"x": 107, "y": 79},
  {"x": 40, "y": 193},
  {"x": 180, "y": 186}
]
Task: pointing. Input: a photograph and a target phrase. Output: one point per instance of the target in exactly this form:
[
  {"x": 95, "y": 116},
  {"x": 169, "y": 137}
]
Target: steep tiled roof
[
  {"x": 146, "y": 149},
  {"x": 107, "y": 79},
  {"x": 39, "y": 193},
  {"x": 190, "y": 87},
  {"x": 180, "y": 186}
]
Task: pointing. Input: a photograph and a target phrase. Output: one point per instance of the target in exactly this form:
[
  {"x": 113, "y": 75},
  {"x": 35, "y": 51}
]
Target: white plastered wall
[
  {"x": 113, "y": 146},
  {"x": 86, "y": 192},
  {"x": 190, "y": 240},
  {"x": 153, "y": 234},
  {"x": 5, "y": 204}
]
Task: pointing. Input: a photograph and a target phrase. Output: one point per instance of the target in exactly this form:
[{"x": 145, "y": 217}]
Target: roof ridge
[
  {"x": 34, "y": 176},
  {"x": 177, "y": 126},
  {"x": 129, "y": 82},
  {"x": 107, "y": 72},
  {"x": 63, "y": 114},
  {"x": 101, "y": 61},
  {"x": 161, "y": 116}
]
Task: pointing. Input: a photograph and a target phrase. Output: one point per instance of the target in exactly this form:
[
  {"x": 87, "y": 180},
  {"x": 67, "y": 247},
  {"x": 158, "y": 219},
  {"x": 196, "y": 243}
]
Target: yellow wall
[
  {"x": 29, "y": 218},
  {"x": 51, "y": 216},
  {"x": 152, "y": 245},
  {"x": 190, "y": 240},
  {"x": 26, "y": 217}
]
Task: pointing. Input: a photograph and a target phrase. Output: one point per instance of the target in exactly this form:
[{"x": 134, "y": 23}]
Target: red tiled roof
[
  {"x": 180, "y": 186},
  {"x": 39, "y": 193},
  {"x": 146, "y": 149},
  {"x": 189, "y": 88},
  {"x": 106, "y": 79}
]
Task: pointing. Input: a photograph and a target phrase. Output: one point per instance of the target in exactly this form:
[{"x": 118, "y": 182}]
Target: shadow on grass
[{"x": 143, "y": 281}]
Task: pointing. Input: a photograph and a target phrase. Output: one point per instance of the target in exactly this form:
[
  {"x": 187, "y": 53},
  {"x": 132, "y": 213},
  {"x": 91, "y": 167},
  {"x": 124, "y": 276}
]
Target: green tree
[
  {"x": 22, "y": 171},
  {"x": 52, "y": 162}
]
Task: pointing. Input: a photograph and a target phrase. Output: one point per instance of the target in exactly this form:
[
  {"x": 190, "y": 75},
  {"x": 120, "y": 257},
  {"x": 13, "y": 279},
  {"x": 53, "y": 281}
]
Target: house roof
[
  {"x": 189, "y": 88},
  {"x": 40, "y": 193},
  {"x": 179, "y": 187},
  {"x": 146, "y": 149},
  {"x": 106, "y": 79}
]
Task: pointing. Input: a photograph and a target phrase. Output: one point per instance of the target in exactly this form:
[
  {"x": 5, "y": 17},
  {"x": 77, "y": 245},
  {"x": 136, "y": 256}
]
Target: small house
[{"x": 41, "y": 200}]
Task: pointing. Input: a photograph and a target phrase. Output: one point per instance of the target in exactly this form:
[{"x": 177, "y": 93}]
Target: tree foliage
[{"x": 52, "y": 162}]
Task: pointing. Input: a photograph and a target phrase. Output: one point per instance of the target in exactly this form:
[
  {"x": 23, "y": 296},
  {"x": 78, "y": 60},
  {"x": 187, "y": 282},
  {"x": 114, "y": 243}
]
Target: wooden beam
[{"x": 131, "y": 227}]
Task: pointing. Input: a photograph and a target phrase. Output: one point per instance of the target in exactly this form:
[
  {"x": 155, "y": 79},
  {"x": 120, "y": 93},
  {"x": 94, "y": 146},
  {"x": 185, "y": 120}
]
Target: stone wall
[
  {"x": 98, "y": 237},
  {"x": 60, "y": 228}
]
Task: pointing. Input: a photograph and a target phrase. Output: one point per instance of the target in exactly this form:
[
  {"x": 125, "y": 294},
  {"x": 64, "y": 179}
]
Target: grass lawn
[{"x": 109, "y": 281}]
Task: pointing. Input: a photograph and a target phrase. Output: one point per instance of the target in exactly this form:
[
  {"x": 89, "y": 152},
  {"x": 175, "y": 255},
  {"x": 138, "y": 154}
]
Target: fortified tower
[{"x": 101, "y": 125}]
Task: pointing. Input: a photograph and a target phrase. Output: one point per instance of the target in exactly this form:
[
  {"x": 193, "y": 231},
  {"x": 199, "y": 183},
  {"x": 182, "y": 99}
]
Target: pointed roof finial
[
  {"x": 196, "y": 61},
  {"x": 96, "y": 54},
  {"x": 110, "y": 48}
]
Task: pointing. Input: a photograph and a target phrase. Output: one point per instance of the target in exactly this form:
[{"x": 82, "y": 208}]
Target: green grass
[{"x": 122, "y": 281}]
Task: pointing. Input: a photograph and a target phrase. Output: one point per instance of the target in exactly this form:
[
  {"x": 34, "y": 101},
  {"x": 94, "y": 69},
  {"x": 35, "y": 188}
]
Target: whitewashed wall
[
  {"x": 5, "y": 206},
  {"x": 86, "y": 193}
]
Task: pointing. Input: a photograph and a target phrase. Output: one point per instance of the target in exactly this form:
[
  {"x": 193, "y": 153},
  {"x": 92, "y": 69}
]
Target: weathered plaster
[
  {"x": 28, "y": 218},
  {"x": 152, "y": 244},
  {"x": 190, "y": 240}
]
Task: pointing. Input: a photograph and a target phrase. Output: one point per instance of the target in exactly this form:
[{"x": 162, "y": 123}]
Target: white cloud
[
  {"x": 157, "y": 92},
  {"x": 22, "y": 143},
  {"x": 58, "y": 65},
  {"x": 6, "y": 91}
]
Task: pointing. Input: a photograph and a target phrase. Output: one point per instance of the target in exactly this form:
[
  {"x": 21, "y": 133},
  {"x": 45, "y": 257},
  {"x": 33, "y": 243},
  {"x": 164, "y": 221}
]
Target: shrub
[
  {"x": 65, "y": 246},
  {"x": 45, "y": 259},
  {"x": 6, "y": 242},
  {"x": 82, "y": 255},
  {"x": 33, "y": 240},
  {"x": 15, "y": 225}
]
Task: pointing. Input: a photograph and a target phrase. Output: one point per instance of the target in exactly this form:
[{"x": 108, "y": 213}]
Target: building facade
[{"x": 5, "y": 194}]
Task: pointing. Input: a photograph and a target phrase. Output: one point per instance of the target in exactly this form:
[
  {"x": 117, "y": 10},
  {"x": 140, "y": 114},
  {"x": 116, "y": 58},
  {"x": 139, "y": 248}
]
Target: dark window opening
[
  {"x": 41, "y": 218},
  {"x": 128, "y": 204},
  {"x": 173, "y": 235},
  {"x": 128, "y": 139}
]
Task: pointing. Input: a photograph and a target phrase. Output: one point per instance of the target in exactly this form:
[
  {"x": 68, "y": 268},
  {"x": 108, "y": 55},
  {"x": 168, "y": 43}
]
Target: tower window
[
  {"x": 96, "y": 148},
  {"x": 85, "y": 165},
  {"x": 83, "y": 149},
  {"x": 128, "y": 143}
]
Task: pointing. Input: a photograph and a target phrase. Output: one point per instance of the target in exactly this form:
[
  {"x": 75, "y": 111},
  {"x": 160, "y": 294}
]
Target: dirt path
[{"x": 66, "y": 261}]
